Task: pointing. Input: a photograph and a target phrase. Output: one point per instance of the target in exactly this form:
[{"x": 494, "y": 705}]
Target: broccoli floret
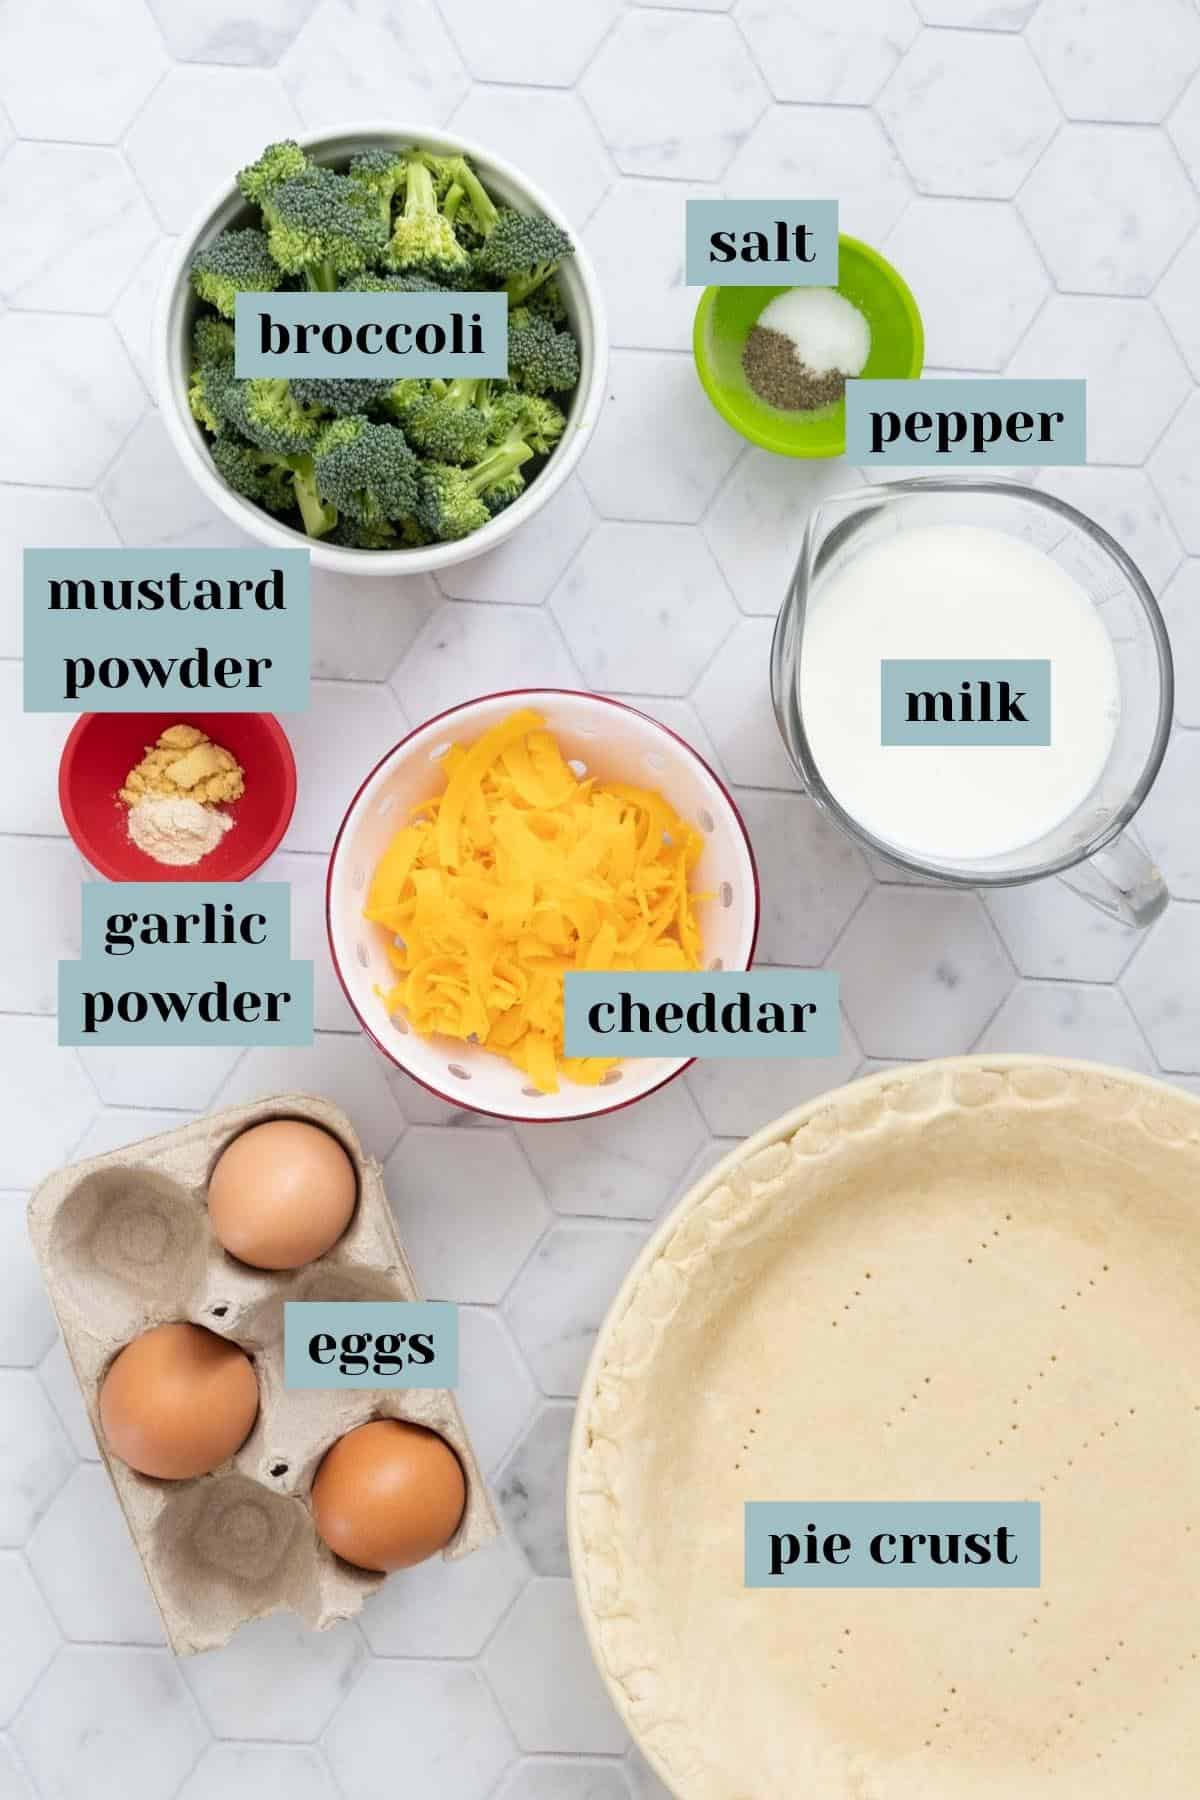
[
  {"x": 236, "y": 262},
  {"x": 369, "y": 282},
  {"x": 212, "y": 341},
  {"x": 340, "y": 395},
  {"x": 406, "y": 395},
  {"x": 320, "y": 516},
  {"x": 355, "y": 536},
  {"x": 542, "y": 423},
  {"x": 278, "y": 163},
  {"x": 255, "y": 474},
  {"x": 445, "y": 424},
  {"x": 541, "y": 358},
  {"x": 281, "y": 484},
  {"x": 522, "y": 251},
  {"x": 266, "y": 412},
  {"x": 367, "y": 471},
  {"x": 208, "y": 394},
  {"x": 444, "y": 169},
  {"x": 380, "y": 175},
  {"x": 452, "y": 208},
  {"x": 454, "y": 502},
  {"x": 464, "y": 199},
  {"x": 445, "y": 420},
  {"x": 423, "y": 239},
  {"x": 263, "y": 412},
  {"x": 499, "y": 494},
  {"x": 449, "y": 505},
  {"x": 504, "y": 408},
  {"x": 412, "y": 535},
  {"x": 318, "y": 227},
  {"x": 509, "y": 412},
  {"x": 548, "y": 303}
]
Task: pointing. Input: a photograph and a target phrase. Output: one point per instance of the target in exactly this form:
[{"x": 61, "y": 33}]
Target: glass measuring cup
[{"x": 1094, "y": 850}]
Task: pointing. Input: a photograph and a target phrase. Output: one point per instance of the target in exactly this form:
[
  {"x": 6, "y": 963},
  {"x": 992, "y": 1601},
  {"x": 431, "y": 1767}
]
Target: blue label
[
  {"x": 145, "y": 630},
  {"x": 942, "y": 700},
  {"x": 762, "y": 243},
  {"x": 900, "y": 1544},
  {"x": 939, "y": 420},
  {"x": 172, "y": 962},
  {"x": 370, "y": 1344},
  {"x": 383, "y": 335},
  {"x": 767, "y": 1012}
]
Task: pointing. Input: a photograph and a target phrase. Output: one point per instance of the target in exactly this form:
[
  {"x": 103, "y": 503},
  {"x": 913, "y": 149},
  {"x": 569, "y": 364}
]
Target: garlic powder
[{"x": 175, "y": 831}]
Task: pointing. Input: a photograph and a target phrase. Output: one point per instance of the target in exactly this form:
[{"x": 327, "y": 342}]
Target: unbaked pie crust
[{"x": 972, "y": 1280}]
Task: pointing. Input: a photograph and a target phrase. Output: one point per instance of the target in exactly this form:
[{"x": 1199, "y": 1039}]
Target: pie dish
[{"x": 975, "y": 1279}]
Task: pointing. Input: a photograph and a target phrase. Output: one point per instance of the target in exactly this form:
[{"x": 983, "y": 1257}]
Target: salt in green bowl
[{"x": 723, "y": 321}]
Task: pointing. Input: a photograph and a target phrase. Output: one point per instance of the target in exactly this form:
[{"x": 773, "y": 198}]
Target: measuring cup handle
[{"x": 1122, "y": 880}]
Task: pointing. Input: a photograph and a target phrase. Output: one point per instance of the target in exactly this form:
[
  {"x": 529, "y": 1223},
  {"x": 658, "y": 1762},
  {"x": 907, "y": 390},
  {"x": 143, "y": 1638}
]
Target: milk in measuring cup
[{"x": 967, "y": 592}]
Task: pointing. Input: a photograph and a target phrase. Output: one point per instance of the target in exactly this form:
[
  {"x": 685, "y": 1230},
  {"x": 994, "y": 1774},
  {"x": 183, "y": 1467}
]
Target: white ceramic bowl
[
  {"x": 177, "y": 309},
  {"x": 614, "y": 742}
]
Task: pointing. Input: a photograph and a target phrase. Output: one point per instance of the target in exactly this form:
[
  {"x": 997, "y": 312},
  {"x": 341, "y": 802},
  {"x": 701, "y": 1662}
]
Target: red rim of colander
[{"x": 458, "y": 1100}]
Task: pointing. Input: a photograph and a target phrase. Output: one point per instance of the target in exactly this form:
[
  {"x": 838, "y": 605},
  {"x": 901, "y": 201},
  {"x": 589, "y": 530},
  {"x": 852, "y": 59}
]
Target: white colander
[{"x": 607, "y": 739}]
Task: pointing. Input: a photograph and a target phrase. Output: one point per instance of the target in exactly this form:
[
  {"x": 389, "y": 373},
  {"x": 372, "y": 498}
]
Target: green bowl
[{"x": 723, "y": 321}]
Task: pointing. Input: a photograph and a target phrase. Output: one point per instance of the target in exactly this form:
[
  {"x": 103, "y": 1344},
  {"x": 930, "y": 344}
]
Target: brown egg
[
  {"x": 178, "y": 1401},
  {"x": 281, "y": 1195},
  {"x": 388, "y": 1495}
]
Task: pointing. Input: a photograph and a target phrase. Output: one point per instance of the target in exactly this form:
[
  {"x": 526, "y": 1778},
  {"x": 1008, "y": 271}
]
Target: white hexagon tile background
[{"x": 1032, "y": 166}]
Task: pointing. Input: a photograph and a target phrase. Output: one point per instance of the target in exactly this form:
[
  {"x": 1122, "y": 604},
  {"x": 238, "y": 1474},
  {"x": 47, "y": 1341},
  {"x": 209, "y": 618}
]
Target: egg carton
[{"x": 124, "y": 1244}]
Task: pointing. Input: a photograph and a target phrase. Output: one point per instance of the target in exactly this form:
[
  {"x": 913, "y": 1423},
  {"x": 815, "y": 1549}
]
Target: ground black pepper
[{"x": 778, "y": 376}]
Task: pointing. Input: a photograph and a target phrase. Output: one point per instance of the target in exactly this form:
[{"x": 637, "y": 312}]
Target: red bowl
[{"x": 103, "y": 747}]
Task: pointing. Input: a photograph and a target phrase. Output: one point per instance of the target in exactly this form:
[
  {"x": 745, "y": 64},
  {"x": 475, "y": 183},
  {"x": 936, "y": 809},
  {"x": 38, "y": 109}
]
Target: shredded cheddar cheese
[{"x": 517, "y": 872}]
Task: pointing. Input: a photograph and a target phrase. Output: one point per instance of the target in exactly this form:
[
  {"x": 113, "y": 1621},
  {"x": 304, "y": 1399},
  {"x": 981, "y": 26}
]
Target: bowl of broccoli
[{"x": 382, "y": 477}]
